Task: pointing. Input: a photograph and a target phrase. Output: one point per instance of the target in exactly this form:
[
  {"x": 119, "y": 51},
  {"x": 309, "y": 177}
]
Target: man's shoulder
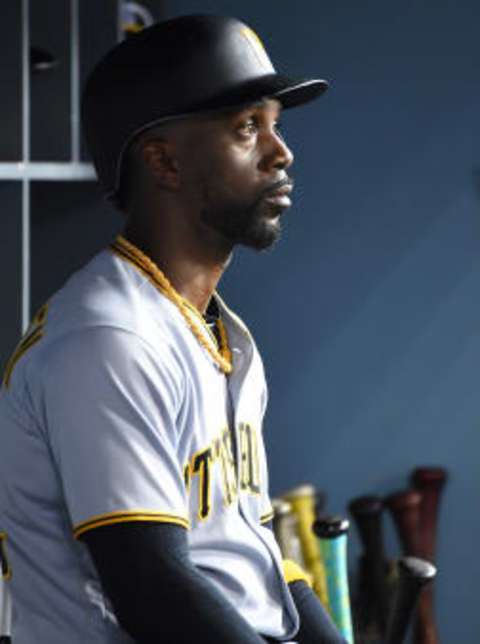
[
  {"x": 103, "y": 304},
  {"x": 108, "y": 292}
]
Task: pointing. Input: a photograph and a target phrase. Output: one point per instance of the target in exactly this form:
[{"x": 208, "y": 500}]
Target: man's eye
[{"x": 248, "y": 127}]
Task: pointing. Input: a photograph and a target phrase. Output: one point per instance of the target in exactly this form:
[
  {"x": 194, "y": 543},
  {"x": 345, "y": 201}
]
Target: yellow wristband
[{"x": 293, "y": 572}]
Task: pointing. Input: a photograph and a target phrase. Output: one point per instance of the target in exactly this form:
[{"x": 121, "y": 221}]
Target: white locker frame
[{"x": 27, "y": 171}]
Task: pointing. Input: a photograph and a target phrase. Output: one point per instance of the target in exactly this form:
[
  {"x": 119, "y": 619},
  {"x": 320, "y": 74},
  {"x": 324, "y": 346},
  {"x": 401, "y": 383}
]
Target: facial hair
[{"x": 255, "y": 224}]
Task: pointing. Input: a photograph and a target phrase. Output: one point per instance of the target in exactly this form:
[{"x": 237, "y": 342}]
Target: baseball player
[{"x": 134, "y": 489}]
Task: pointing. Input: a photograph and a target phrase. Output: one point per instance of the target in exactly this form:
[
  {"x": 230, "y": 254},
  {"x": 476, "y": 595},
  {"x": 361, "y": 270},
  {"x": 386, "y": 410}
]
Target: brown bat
[
  {"x": 404, "y": 507},
  {"x": 372, "y": 606},
  {"x": 429, "y": 481}
]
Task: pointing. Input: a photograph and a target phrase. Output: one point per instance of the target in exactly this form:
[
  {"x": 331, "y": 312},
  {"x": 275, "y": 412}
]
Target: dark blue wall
[{"x": 367, "y": 313}]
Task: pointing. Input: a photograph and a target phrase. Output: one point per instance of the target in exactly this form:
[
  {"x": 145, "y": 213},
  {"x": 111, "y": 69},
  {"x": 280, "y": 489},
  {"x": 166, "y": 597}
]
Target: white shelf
[{"x": 44, "y": 171}]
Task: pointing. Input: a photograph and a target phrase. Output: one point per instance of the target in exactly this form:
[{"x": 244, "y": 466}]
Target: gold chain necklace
[{"x": 221, "y": 355}]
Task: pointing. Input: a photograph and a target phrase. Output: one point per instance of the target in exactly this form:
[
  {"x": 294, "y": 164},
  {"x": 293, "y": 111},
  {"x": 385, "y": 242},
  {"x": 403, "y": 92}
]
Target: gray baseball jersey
[{"x": 113, "y": 410}]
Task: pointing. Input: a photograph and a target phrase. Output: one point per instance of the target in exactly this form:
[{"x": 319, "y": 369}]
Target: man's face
[{"x": 237, "y": 167}]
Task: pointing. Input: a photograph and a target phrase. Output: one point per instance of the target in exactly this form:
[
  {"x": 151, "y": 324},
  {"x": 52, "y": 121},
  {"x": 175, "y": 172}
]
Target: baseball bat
[
  {"x": 371, "y": 606},
  {"x": 404, "y": 508},
  {"x": 429, "y": 481},
  {"x": 285, "y": 528},
  {"x": 413, "y": 575},
  {"x": 302, "y": 500},
  {"x": 332, "y": 537}
]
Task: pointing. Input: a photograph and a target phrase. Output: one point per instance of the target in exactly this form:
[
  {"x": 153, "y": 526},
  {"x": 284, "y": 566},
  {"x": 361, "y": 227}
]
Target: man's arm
[
  {"x": 157, "y": 592},
  {"x": 316, "y": 626}
]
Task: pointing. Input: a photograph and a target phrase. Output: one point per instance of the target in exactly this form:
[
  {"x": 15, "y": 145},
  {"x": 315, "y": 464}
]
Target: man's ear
[{"x": 161, "y": 163}]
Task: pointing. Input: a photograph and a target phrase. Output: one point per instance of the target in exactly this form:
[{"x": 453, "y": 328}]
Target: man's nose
[{"x": 276, "y": 153}]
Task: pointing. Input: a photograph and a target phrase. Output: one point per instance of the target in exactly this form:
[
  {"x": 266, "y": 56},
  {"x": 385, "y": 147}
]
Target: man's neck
[{"x": 193, "y": 271}]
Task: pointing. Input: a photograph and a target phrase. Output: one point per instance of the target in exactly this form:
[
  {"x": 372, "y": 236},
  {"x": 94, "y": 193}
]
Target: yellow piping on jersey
[
  {"x": 127, "y": 516},
  {"x": 32, "y": 336},
  {"x": 220, "y": 354},
  {"x": 268, "y": 516},
  {"x": 5, "y": 570},
  {"x": 22, "y": 348}
]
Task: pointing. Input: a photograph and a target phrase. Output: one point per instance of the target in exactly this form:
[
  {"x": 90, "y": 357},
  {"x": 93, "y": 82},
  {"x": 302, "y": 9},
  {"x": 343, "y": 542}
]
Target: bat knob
[
  {"x": 417, "y": 569},
  {"x": 413, "y": 575},
  {"x": 366, "y": 505},
  {"x": 429, "y": 476},
  {"x": 330, "y": 527},
  {"x": 403, "y": 499}
]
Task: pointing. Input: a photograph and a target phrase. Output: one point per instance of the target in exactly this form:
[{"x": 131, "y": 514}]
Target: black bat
[
  {"x": 413, "y": 575},
  {"x": 371, "y": 605}
]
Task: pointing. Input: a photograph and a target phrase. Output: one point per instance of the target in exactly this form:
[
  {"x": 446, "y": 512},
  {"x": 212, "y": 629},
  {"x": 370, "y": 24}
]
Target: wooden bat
[
  {"x": 371, "y": 606},
  {"x": 413, "y": 575},
  {"x": 332, "y": 538},
  {"x": 429, "y": 481},
  {"x": 302, "y": 499},
  {"x": 404, "y": 507},
  {"x": 285, "y": 528}
]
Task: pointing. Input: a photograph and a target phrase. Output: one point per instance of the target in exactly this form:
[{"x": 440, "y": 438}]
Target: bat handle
[
  {"x": 414, "y": 574},
  {"x": 367, "y": 512},
  {"x": 425, "y": 628},
  {"x": 285, "y": 528},
  {"x": 404, "y": 507},
  {"x": 429, "y": 481},
  {"x": 332, "y": 539}
]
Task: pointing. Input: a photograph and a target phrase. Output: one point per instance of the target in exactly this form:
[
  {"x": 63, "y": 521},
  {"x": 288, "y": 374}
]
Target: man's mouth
[{"x": 280, "y": 195}]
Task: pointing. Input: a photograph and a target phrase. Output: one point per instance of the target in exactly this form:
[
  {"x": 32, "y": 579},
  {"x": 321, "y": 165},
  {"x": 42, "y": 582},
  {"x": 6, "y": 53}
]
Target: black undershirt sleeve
[
  {"x": 157, "y": 593},
  {"x": 316, "y": 626}
]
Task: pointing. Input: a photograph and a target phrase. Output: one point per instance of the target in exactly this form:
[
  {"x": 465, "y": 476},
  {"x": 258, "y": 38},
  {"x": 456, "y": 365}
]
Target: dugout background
[{"x": 367, "y": 313}]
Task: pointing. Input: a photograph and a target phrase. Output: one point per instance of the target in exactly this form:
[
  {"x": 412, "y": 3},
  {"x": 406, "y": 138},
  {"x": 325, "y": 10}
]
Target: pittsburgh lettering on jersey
[
  {"x": 249, "y": 461},
  {"x": 201, "y": 464},
  {"x": 31, "y": 337},
  {"x": 187, "y": 476},
  {"x": 220, "y": 453},
  {"x": 224, "y": 453},
  {"x": 4, "y": 565}
]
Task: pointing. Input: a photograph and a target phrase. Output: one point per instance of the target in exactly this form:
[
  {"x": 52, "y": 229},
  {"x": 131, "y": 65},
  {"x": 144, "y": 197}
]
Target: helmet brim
[{"x": 289, "y": 92}]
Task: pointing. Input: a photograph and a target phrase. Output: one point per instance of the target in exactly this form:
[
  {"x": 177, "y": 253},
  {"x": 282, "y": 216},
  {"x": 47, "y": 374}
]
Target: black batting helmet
[{"x": 170, "y": 70}]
